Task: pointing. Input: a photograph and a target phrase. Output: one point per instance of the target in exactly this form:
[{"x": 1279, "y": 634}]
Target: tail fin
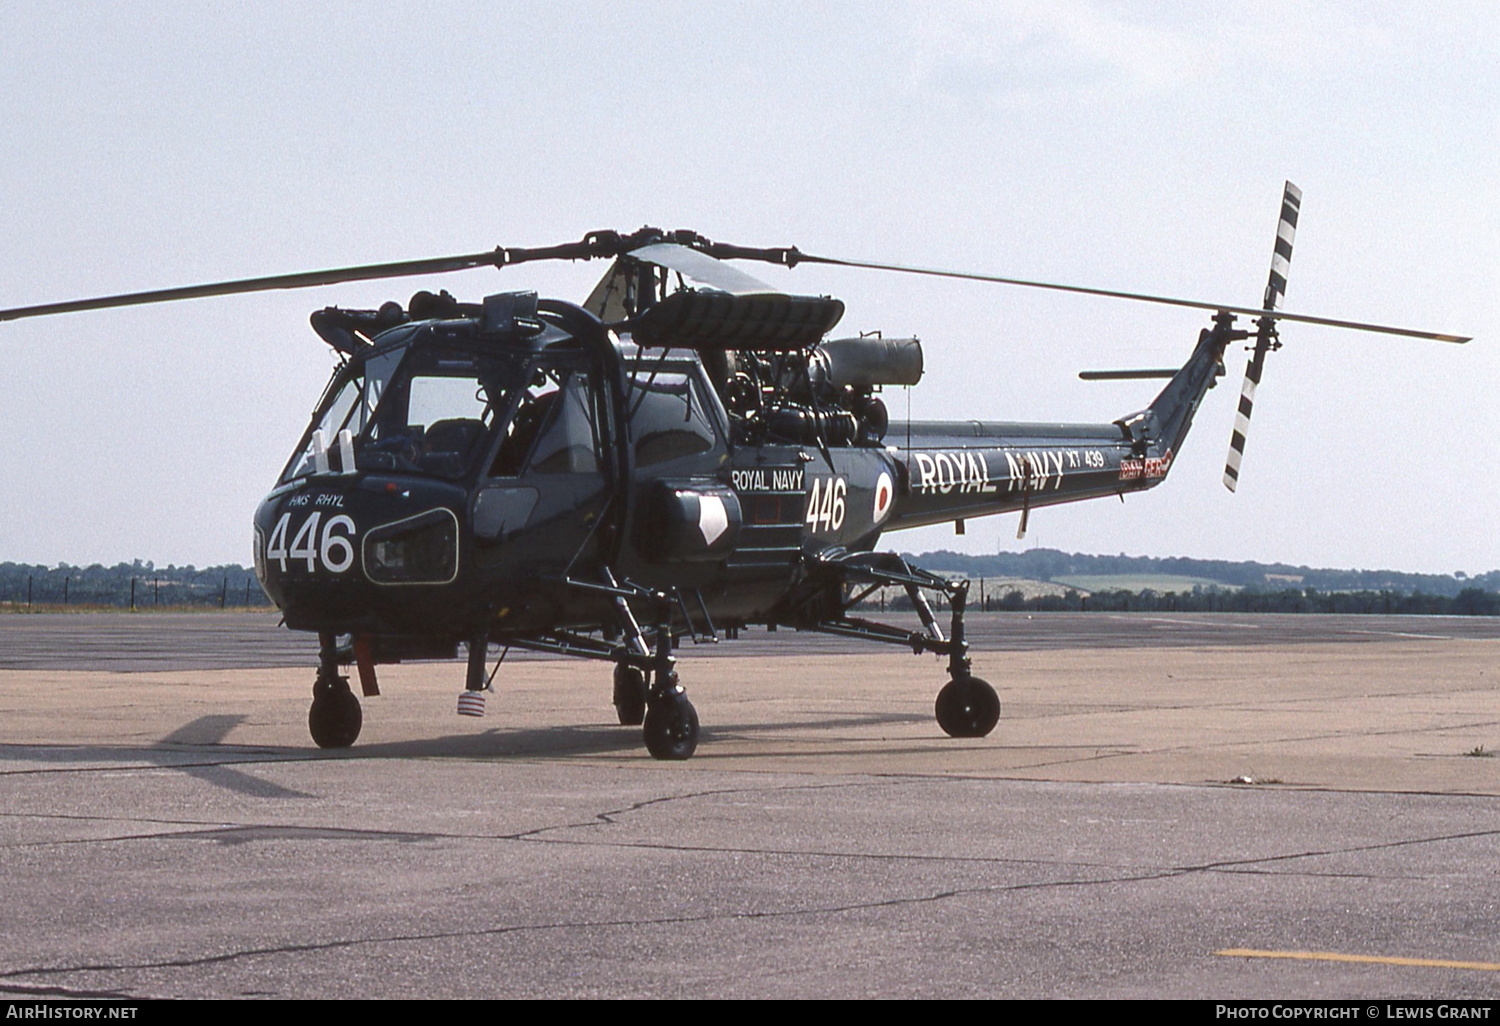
[{"x": 1170, "y": 415}]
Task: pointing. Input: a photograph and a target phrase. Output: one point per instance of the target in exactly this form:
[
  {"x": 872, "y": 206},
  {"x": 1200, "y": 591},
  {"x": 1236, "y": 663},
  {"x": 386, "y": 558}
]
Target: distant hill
[{"x": 1094, "y": 573}]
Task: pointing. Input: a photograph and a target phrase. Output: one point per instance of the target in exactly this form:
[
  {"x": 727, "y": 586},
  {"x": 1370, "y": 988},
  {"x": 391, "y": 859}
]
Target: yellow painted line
[{"x": 1334, "y": 956}]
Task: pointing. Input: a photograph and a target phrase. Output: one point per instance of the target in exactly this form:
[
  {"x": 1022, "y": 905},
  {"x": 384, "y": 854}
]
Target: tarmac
[{"x": 1203, "y": 806}]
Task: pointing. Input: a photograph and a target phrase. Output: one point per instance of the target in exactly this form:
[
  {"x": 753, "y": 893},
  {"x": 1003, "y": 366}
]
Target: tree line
[
  {"x": 137, "y": 585},
  {"x": 1468, "y": 602},
  {"x": 143, "y": 585}
]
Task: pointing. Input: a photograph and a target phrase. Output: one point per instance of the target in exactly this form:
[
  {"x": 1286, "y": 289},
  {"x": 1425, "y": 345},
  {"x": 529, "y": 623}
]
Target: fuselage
[{"x": 453, "y": 482}]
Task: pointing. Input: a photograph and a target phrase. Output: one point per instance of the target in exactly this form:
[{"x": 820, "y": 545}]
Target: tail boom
[
  {"x": 955, "y": 470},
  {"x": 965, "y": 469}
]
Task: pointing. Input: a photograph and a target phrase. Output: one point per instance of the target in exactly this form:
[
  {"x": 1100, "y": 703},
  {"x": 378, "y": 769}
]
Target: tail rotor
[{"x": 1265, "y": 334}]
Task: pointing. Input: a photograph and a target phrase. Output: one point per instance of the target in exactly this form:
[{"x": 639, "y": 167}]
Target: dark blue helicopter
[{"x": 686, "y": 452}]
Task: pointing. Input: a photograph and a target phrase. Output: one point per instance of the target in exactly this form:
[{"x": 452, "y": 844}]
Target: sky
[{"x": 1134, "y": 146}]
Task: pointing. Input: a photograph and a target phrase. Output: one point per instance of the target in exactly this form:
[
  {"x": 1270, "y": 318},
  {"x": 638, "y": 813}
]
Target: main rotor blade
[
  {"x": 1142, "y": 297},
  {"x": 307, "y": 279},
  {"x": 1127, "y": 375},
  {"x": 703, "y": 269}
]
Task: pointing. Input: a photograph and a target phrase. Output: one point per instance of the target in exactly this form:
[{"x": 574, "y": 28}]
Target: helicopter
[{"x": 684, "y": 454}]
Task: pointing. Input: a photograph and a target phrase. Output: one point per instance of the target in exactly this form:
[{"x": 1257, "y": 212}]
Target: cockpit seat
[
  {"x": 455, "y": 436},
  {"x": 446, "y": 444}
]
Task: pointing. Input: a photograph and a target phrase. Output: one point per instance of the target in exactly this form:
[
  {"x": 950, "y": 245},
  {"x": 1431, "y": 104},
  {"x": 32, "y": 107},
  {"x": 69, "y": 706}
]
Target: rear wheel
[
  {"x": 671, "y": 728},
  {"x": 630, "y": 694},
  {"x": 967, "y": 707}
]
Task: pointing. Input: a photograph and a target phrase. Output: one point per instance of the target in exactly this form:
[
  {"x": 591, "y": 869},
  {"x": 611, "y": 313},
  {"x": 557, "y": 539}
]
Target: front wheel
[
  {"x": 335, "y": 718},
  {"x": 967, "y": 707},
  {"x": 671, "y": 728}
]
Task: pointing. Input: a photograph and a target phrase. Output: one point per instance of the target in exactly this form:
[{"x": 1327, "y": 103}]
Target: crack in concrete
[
  {"x": 1244, "y": 866},
  {"x": 70, "y": 993},
  {"x": 229, "y": 833},
  {"x": 607, "y": 817},
  {"x": 501, "y": 931},
  {"x": 1382, "y": 845},
  {"x": 828, "y": 910},
  {"x": 1235, "y": 865},
  {"x": 196, "y": 831},
  {"x": 1121, "y": 752},
  {"x": 613, "y": 816},
  {"x": 197, "y": 827},
  {"x": 1251, "y": 865},
  {"x": 1304, "y": 873},
  {"x": 1256, "y": 704},
  {"x": 243, "y": 833}
]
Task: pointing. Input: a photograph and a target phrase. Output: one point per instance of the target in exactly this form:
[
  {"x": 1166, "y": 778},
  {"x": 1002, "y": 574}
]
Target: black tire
[
  {"x": 335, "y": 718},
  {"x": 630, "y": 695},
  {"x": 967, "y": 707},
  {"x": 671, "y": 728}
]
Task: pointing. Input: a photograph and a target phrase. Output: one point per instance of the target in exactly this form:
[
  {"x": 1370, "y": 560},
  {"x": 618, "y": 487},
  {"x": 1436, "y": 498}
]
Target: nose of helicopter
[{"x": 332, "y": 552}]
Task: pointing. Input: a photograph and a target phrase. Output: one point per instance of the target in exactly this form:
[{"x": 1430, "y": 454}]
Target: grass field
[{"x": 1141, "y": 582}]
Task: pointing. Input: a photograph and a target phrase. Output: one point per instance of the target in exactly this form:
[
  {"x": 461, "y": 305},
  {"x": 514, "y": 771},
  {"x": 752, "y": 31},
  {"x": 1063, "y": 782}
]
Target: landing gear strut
[
  {"x": 967, "y": 706},
  {"x": 671, "y": 726},
  {"x": 335, "y": 718},
  {"x": 647, "y": 692}
]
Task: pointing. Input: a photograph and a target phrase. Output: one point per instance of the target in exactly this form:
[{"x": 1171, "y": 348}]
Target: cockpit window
[
  {"x": 555, "y": 423},
  {"x": 414, "y": 409},
  {"x": 669, "y": 418},
  {"x": 436, "y": 410},
  {"x": 569, "y": 443},
  {"x": 346, "y": 411}
]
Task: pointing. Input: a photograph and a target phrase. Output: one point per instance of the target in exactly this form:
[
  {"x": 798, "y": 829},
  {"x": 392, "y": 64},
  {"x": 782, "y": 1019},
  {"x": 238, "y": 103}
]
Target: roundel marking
[{"x": 884, "y": 493}]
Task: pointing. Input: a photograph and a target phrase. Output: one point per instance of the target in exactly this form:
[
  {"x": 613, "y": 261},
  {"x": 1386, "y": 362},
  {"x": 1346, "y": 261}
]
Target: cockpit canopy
[{"x": 434, "y": 400}]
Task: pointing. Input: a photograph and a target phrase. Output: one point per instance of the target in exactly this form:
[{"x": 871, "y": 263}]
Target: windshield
[
  {"x": 420, "y": 409},
  {"x": 355, "y": 392},
  {"x": 436, "y": 410}
]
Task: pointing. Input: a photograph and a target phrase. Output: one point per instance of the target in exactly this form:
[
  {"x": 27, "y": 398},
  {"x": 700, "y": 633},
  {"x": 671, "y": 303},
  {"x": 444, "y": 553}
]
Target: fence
[{"x": 83, "y": 589}]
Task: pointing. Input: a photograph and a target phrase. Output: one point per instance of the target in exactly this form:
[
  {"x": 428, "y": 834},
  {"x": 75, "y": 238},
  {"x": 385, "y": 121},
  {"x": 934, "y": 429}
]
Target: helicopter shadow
[
  {"x": 505, "y": 743},
  {"x": 508, "y": 743},
  {"x": 181, "y": 750}
]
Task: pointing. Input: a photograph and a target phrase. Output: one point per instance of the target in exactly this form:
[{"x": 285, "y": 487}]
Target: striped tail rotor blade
[
  {"x": 1281, "y": 264},
  {"x": 1242, "y": 417},
  {"x": 1281, "y": 256}
]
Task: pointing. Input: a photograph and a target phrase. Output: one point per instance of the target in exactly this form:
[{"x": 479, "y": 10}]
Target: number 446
[
  {"x": 825, "y": 507},
  {"x": 334, "y": 551}
]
